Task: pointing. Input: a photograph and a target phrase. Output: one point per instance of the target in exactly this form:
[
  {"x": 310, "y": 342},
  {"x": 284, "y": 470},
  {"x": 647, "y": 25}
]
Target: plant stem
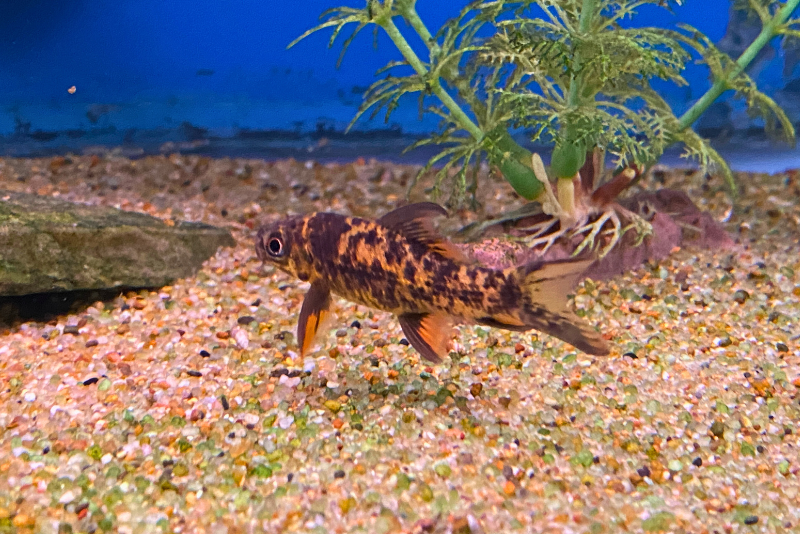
[
  {"x": 566, "y": 185},
  {"x": 584, "y": 24},
  {"x": 720, "y": 86},
  {"x": 458, "y": 114},
  {"x": 503, "y": 151}
]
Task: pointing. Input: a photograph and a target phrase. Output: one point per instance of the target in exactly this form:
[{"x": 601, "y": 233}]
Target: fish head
[{"x": 282, "y": 244}]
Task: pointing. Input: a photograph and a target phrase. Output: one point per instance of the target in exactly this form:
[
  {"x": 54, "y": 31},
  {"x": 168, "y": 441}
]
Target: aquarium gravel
[{"x": 187, "y": 408}]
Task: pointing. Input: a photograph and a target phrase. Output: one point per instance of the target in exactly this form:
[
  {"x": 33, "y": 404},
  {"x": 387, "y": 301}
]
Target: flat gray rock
[{"x": 48, "y": 244}]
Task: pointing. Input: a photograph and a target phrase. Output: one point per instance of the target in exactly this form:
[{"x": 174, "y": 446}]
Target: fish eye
[{"x": 275, "y": 247}]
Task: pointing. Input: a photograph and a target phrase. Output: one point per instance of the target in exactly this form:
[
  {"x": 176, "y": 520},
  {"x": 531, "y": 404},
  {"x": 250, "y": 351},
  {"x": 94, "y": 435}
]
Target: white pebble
[
  {"x": 67, "y": 497},
  {"x": 30, "y": 396},
  {"x": 289, "y": 382},
  {"x": 241, "y": 337},
  {"x": 285, "y": 422}
]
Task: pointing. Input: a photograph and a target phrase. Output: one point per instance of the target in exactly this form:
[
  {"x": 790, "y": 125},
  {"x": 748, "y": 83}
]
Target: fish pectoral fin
[
  {"x": 414, "y": 222},
  {"x": 428, "y": 333},
  {"x": 315, "y": 310}
]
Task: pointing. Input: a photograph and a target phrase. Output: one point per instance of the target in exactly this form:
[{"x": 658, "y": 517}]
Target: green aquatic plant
[{"x": 577, "y": 75}]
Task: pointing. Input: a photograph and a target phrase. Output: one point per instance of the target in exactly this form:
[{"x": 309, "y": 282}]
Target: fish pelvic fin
[
  {"x": 414, "y": 222},
  {"x": 428, "y": 333},
  {"x": 546, "y": 286}
]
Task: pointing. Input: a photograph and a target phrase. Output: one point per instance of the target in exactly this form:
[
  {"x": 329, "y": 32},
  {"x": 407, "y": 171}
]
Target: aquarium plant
[{"x": 576, "y": 74}]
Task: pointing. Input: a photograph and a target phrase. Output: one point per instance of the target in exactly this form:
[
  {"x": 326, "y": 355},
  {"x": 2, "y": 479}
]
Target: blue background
[{"x": 151, "y": 65}]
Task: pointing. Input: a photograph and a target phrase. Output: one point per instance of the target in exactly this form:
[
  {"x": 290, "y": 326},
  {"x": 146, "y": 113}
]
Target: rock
[{"x": 51, "y": 245}]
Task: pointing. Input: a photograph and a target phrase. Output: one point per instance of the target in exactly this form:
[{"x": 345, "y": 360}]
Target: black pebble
[
  {"x": 404, "y": 341},
  {"x": 643, "y": 471},
  {"x": 245, "y": 319},
  {"x": 782, "y": 347},
  {"x": 338, "y": 474},
  {"x": 751, "y": 520},
  {"x": 355, "y": 324},
  {"x": 697, "y": 462},
  {"x": 71, "y": 330},
  {"x": 204, "y": 353},
  {"x": 631, "y": 355},
  {"x": 45, "y": 450},
  {"x": 91, "y": 343},
  {"x": 289, "y": 477},
  {"x": 224, "y": 400},
  {"x": 192, "y": 372},
  {"x": 256, "y": 302},
  {"x": 90, "y": 381}
]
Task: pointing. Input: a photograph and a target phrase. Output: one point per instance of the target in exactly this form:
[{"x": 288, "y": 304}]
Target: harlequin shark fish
[{"x": 401, "y": 265}]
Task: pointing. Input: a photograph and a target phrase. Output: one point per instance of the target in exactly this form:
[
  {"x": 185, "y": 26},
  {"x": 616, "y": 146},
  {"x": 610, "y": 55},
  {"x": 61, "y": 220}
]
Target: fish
[{"x": 400, "y": 264}]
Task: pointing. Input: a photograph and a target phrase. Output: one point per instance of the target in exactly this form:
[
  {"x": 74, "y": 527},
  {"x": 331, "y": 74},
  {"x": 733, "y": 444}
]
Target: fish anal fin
[
  {"x": 547, "y": 284},
  {"x": 414, "y": 222},
  {"x": 314, "y": 312},
  {"x": 428, "y": 333},
  {"x": 504, "y": 321}
]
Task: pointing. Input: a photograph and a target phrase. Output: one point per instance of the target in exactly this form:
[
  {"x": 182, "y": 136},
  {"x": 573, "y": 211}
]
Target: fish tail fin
[{"x": 546, "y": 286}]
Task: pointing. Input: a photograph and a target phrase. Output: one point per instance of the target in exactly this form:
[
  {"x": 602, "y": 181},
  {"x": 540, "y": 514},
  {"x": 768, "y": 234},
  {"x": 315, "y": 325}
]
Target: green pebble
[
  {"x": 584, "y": 458},
  {"x": 443, "y": 470},
  {"x": 104, "y": 385},
  {"x": 675, "y": 465},
  {"x": 717, "y": 428},
  {"x": 747, "y": 449},
  {"x": 95, "y": 452},
  {"x": 262, "y": 471},
  {"x": 333, "y": 405},
  {"x": 403, "y": 482},
  {"x": 425, "y": 493},
  {"x": 783, "y": 467},
  {"x": 180, "y": 470}
]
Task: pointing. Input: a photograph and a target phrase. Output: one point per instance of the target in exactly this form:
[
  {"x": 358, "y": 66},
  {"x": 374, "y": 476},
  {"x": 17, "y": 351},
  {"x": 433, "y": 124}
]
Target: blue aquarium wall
[{"x": 153, "y": 75}]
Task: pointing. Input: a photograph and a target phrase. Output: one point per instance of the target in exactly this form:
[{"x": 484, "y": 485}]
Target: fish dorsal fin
[
  {"x": 414, "y": 222},
  {"x": 549, "y": 283}
]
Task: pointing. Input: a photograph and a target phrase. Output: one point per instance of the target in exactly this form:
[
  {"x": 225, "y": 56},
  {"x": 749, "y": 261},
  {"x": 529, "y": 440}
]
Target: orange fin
[
  {"x": 316, "y": 308},
  {"x": 414, "y": 222},
  {"x": 505, "y": 321},
  {"x": 429, "y": 334}
]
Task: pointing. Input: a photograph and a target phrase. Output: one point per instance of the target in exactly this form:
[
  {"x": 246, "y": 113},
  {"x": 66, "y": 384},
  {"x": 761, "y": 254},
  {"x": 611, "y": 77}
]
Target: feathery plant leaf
[{"x": 567, "y": 71}]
